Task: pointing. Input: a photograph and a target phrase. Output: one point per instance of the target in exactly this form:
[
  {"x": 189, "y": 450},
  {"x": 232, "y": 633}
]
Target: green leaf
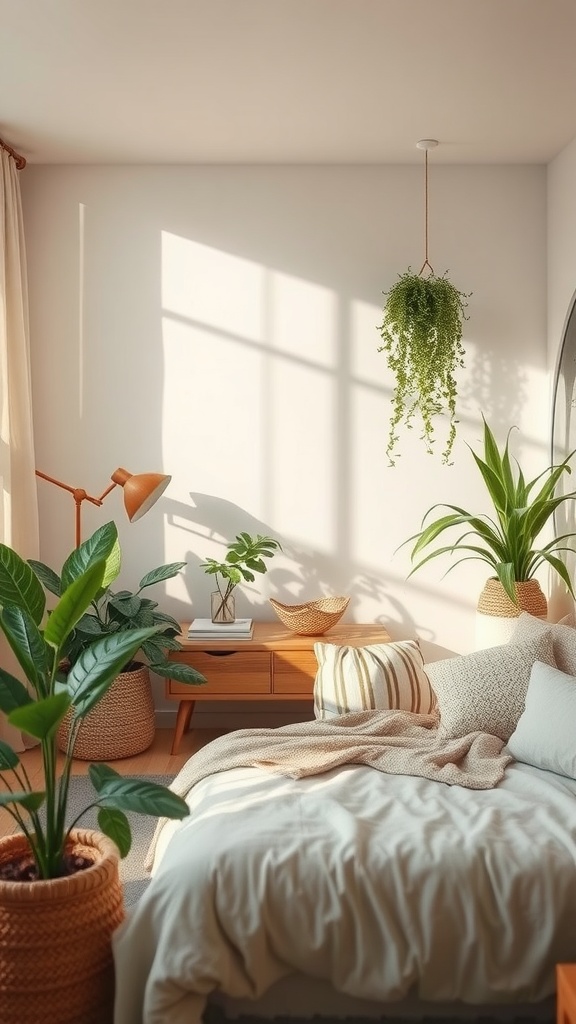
[
  {"x": 47, "y": 576},
  {"x": 506, "y": 575},
  {"x": 97, "y": 667},
  {"x": 163, "y": 572},
  {"x": 19, "y": 585},
  {"x": 13, "y": 694},
  {"x": 41, "y": 718},
  {"x": 30, "y": 801},
  {"x": 178, "y": 671},
  {"x": 27, "y": 643},
  {"x": 137, "y": 795},
  {"x": 73, "y": 603},
  {"x": 102, "y": 545},
  {"x": 114, "y": 824},
  {"x": 127, "y": 605},
  {"x": 8, "y": 758}
]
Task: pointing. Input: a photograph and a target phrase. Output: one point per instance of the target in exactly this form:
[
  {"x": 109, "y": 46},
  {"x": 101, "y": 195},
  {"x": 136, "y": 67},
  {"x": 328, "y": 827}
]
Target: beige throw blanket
[{"x": 396, "y": 742}]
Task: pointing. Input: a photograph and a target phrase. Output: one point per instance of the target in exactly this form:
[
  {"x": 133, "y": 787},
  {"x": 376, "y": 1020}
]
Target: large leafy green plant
[
  {"x": 39, "y": 641},
  {"x": 422, "y": 338},
  {"x": 110, "y": 613},
  {"x": 507, "y": 542},
  {"x": 244, "y": 557}
]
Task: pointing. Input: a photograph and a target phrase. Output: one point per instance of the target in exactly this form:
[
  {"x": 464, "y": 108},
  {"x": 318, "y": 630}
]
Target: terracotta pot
[
  {"x": 56, "y": 964},
  {"x": 497, "y": 614},
  {"x": 121, "y": 724}
]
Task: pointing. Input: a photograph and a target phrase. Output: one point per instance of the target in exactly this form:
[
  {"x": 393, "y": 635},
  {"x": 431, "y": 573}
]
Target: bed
[{"x": 366, "y": 863}]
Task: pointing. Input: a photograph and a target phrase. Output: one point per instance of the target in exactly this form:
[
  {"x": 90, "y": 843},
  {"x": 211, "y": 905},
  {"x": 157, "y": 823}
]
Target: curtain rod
[{"x": 19, "y": 160}]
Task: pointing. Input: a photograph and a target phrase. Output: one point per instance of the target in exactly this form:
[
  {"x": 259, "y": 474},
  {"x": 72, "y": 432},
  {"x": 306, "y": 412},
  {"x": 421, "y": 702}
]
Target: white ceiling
[{"x": 287, "y": 81}]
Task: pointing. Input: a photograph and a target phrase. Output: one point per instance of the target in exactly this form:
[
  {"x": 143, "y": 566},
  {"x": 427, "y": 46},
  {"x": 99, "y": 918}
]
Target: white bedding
[{"x": 383, "y": 885}]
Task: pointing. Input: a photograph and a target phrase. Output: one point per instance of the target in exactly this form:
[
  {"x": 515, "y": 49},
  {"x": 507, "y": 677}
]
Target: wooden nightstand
[
  {"x": 274, "y": 665},
  {"x": 565, "y": 993}
]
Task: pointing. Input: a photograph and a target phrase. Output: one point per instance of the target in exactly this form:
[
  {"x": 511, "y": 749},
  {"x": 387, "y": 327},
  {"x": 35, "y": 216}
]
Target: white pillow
[
  {"x": 485, "y": 691},
  {"x": 546, "y": 732},
  {"x": 563, "y": 639},
  {"x": 377, "y": 677}
]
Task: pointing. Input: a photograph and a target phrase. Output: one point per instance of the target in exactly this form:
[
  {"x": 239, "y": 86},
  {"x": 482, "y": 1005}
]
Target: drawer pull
[{"x": 219, "y": 654}]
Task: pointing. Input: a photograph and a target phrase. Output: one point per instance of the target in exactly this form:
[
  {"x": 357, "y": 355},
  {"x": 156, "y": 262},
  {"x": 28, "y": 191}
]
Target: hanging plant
[{"x": 422, "y": 337}]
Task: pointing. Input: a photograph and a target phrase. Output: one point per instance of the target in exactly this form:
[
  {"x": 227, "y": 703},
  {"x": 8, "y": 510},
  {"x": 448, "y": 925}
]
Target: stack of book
[{"x": 205, "y": 629}]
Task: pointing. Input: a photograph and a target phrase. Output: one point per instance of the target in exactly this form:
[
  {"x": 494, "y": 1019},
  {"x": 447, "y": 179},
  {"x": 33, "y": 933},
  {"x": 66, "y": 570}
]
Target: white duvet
[{"x": 383, "y": 885}]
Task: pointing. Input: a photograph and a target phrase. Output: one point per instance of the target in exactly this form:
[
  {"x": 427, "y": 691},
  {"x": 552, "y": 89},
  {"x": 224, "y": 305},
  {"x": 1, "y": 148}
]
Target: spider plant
[{"x": 508, "y": 541}]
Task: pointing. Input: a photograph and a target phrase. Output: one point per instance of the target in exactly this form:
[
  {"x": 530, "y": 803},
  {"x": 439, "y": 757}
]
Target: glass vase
[{"x": 222, "y": 610}]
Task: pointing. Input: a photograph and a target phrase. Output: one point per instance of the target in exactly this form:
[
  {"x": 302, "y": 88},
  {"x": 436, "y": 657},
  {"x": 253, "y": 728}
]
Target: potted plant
[
  {"x": 422, "y": 337},
  {"x": 60, "y": 895},
  {"x": 508, "y": 542},
  {"x": 244, "y": 557},
  {"x": 123, "y": 722}
]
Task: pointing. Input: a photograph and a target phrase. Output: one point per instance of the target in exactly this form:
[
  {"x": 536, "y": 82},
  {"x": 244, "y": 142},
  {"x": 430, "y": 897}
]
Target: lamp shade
[{"x": 141, "y": 491}]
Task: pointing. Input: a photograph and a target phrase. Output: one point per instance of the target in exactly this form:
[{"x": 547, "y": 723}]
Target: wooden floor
[{"x": 157, "y": 760}]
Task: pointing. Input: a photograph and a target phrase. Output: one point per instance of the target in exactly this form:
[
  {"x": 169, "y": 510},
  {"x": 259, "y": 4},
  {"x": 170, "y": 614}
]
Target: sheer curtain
[{"x": 18, "y": 506}]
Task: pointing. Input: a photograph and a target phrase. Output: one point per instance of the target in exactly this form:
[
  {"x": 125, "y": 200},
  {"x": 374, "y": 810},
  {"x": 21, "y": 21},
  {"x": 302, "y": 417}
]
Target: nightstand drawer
[
  {"x": 227, "y": 672},
  {"x": 294, "y": 672}
]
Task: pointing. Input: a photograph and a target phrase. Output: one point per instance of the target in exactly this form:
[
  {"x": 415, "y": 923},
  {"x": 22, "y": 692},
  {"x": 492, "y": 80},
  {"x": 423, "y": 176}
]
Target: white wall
[{"x": 220, "y": 324}]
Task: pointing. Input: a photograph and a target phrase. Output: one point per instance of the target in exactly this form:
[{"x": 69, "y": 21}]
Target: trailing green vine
[{"x": 422, "y": 338}]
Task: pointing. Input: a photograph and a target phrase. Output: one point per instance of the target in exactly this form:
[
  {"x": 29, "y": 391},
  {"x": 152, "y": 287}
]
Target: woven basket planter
[
  {"x": 121, "y": 724},
  {"x": 56, "y": 964},
  {"x": 312, "y": 618},
  {"x": 497, "y": 614},
  {"x": 495, "y": 601}
]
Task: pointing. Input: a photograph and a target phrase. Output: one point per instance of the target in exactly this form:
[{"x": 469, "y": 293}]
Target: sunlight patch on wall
[
  {"x": 303, "y": 439},
  {"x": 214, "y": 390},
  {"x": 250, "y": 379},
  {"x": 212, "y": 288},
  {"x": 366, "y": 363},
  {"x": 303, "y": 319}
]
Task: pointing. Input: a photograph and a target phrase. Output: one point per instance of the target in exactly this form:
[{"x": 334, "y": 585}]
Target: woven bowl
[{"x": 312, "y": 618}]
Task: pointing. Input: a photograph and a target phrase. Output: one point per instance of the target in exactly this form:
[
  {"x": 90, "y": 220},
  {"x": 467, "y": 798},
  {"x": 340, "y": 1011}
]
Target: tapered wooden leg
[{"x": 185, "y": 709}]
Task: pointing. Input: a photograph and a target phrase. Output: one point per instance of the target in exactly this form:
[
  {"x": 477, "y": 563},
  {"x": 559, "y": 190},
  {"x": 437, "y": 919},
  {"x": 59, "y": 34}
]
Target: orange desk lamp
[{"x": 141, "y": 491}]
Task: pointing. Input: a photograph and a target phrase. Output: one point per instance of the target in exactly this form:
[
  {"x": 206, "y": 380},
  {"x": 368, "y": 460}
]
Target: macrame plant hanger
[{"x": 426, "y": 144}]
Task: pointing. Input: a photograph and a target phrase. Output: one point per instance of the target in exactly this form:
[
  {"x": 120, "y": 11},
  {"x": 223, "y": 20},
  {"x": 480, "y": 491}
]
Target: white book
[
  {"x": 220, "y": 636},
  {"x": 239, "y": 627}
]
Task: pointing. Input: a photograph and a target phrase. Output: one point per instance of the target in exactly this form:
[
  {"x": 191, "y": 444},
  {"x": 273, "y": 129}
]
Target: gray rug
[{"x": 134, "y": 878}]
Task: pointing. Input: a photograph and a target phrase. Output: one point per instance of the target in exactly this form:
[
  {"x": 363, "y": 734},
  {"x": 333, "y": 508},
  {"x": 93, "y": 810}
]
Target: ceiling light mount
[{"x": 427, "y": 144}]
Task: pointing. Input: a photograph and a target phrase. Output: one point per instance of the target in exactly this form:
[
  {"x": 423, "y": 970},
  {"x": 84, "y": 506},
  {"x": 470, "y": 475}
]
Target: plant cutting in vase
[
  {"x": 507, "y": 542},
  {"x": 245, "y": 557},
  {"x": 422, "y": 338},
  {"x": 40, "y": 642}
]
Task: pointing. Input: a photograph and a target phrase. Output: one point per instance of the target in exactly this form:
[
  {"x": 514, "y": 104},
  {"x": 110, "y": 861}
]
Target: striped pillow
[{"x": 380, "y": 677}]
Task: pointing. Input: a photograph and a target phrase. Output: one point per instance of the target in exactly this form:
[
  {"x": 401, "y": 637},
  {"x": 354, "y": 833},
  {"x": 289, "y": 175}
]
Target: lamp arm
[
  {"x": 98, "y": 501},
  {"x": 78, "y": 493}
]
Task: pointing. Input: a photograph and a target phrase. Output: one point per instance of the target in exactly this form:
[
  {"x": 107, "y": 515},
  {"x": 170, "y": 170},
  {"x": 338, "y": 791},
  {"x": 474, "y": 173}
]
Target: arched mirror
[
  {"x": 564, "y": 407},
  {"x": 564, "y": 428}
]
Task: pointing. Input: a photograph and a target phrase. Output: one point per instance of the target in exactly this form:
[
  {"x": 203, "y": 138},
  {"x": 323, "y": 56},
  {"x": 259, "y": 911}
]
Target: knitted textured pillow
[
  {"x": 485, "y": 691},
  {"x": 563, "y": 638},
  {"x": 379, "y": 677}
]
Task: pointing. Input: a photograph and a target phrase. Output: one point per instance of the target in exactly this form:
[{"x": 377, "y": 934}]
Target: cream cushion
[
  {"x": 563, "y": 639},
  {"x": 546, "y": 732},
  {"x": 377, "y": 677},
  {"x": 485, "y": 691}
]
